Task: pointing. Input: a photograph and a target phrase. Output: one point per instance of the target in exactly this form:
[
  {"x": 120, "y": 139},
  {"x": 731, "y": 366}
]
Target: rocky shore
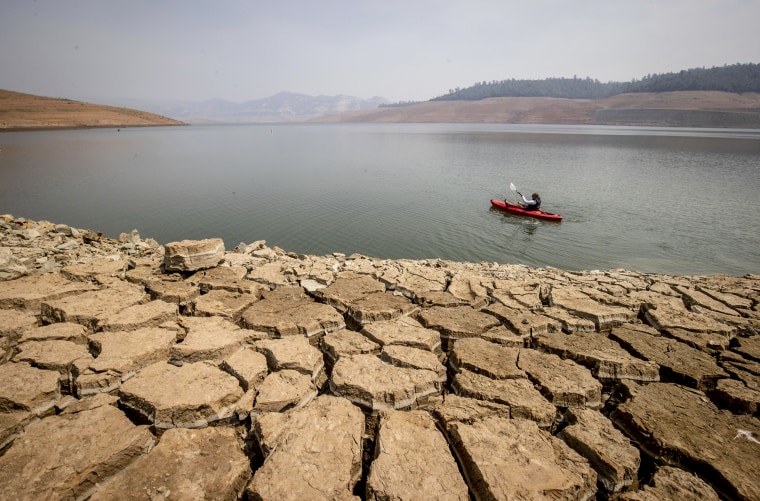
[{"x": 133, "y": 370}]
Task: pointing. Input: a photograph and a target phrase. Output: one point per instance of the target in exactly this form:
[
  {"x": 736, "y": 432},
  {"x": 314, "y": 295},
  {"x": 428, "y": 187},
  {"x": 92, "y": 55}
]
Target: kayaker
[{"x": 533, "y": 204}]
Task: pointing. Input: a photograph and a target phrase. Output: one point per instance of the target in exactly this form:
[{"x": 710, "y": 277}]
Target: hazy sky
[{"x": 402, "y": 50}]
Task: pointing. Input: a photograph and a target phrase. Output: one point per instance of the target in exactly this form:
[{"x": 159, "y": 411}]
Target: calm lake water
[{"x": 680, "y": 201}]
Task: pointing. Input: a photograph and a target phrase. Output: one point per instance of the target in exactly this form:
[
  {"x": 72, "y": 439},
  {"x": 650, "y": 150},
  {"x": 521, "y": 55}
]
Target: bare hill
[
  {"x": 20, "y": 111},
  {"x": 674, "y": 109},
  {"x": 26, "y": 111}
]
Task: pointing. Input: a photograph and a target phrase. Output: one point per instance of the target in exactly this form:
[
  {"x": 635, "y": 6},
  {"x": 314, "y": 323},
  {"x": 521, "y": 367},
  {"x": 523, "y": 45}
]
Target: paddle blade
[{"x": 512, "y": 187}]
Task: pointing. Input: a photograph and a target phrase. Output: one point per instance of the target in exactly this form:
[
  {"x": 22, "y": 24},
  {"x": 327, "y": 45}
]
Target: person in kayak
[{"x": 533, "y": 204}]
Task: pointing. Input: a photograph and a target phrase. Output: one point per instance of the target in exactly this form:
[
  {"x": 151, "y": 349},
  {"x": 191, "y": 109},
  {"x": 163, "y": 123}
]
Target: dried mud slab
[
  {"x": 669, "y": 315},
  {"x": 606, "y": 359},
  {"x": 519, "y": 395},
  {"x": 737, "y": 397},
  {"x": 12, "y": 425},
  {"x": 720, "y": 446},
  {"x": 457, "y": 322},
  {"x": 150, "y": 314},
  {"x": 414, "y": 358},
  {"x": 347, "y": 288},
  {"x": 486, "y": 358},
  {"x": 673, "y": 483},
  {"x": 51, "y": 461},
  {"x": 283, "y": 390},
  {"x": 466, "y": 410},
  {"x": 173, "y": 291},
  {"x": 63, "y": 331},
  {"x": 368, "y": 382},
  {"x": 222, "y": 303},
  {"x": 380, "y": 307},
  {"x": 119, "y": 356},
  {"x": 413, "y": 280},
  {"x": 191, "y": 396},
  {"x": 186, "y": 464},
  {"x": 208, "y": 338},
  {"x": 405, "y": 331},
  {"x": 514, "y": 459},
  {"x": 98, "y": 269},
  {"x": 524, "y": 323},
  {"x": 92, "y": 308},
  {"x": 28, "y": 293},
  {"x": 610, "y": 453},
  {"x": 678, "y": 362},
  {"x": 402, "y": 467},
  {"x": 59, "y": 356},
  {"x": 292, "y": 352},
  {"x": 248, "y": 366},
  {"x": 562, "y": 381},
  {"x": 315, "y": 452},
  {"x": 229, "y": 278},
  {"x": 604, "y": 317},
  {"x": 288, "y": 311},
  {"x": 13, "y": 323},
  {"x": 345, "y": 343},
  {"x": 27, "y": 388}
]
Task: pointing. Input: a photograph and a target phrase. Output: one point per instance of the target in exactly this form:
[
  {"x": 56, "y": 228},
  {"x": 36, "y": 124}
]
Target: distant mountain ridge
[
  {"x": 726, "y": 97},
  {"x": 281, "y": 107}
]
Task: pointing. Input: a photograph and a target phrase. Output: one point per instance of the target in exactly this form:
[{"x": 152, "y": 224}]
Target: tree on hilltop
[{"x": 736, "y": 78}]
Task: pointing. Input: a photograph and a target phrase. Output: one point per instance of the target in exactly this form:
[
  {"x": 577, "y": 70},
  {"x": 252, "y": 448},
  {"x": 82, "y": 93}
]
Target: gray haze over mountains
[
  {"x": 96, "y": 51},
  {"x": 281, "y": 107}
]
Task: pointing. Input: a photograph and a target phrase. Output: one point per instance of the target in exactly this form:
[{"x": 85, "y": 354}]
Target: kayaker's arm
[{"x": 529, "y": 202}]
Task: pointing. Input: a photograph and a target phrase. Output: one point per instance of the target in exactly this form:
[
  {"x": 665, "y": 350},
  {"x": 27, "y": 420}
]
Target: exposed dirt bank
[
  {"x": 28, "y": 112},
  {"x": 671, "y": 109}
]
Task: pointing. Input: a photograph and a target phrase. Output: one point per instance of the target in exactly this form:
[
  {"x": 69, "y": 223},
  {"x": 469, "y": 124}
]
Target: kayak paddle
[{"x": 514, "y": 188}]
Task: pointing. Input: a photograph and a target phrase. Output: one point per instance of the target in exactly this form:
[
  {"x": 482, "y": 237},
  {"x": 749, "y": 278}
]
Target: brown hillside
[
  {"x": 675, "y": 109},
  {"x": 25, "y": 111}
]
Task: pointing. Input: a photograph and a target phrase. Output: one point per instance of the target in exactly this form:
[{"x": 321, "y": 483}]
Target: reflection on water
[
  {"x": 521, "y": 224},
  {"x": 640, "y": 198},
  {"x": 530, "y": 227}
]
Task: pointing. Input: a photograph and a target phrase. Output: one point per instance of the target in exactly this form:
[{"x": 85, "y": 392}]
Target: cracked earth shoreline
[{"x": 133, "y": 370}]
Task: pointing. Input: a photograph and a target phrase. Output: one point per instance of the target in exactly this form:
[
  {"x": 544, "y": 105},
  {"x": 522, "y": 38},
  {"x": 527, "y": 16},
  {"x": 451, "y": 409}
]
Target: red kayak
[{"x": 519, "y": 211}]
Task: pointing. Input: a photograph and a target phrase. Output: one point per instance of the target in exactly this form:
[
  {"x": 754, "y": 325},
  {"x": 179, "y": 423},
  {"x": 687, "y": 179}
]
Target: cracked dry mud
[{"x": 132, "y": 370}]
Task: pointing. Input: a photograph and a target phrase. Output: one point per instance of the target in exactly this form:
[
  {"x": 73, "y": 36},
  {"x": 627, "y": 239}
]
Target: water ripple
[{"x": 631, "y": 198}]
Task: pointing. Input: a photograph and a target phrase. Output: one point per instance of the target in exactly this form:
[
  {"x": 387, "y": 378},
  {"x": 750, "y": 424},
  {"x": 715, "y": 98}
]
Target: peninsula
[
  {"x": 20, "y": 111},
  {"x": 191, "y": 371}
]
